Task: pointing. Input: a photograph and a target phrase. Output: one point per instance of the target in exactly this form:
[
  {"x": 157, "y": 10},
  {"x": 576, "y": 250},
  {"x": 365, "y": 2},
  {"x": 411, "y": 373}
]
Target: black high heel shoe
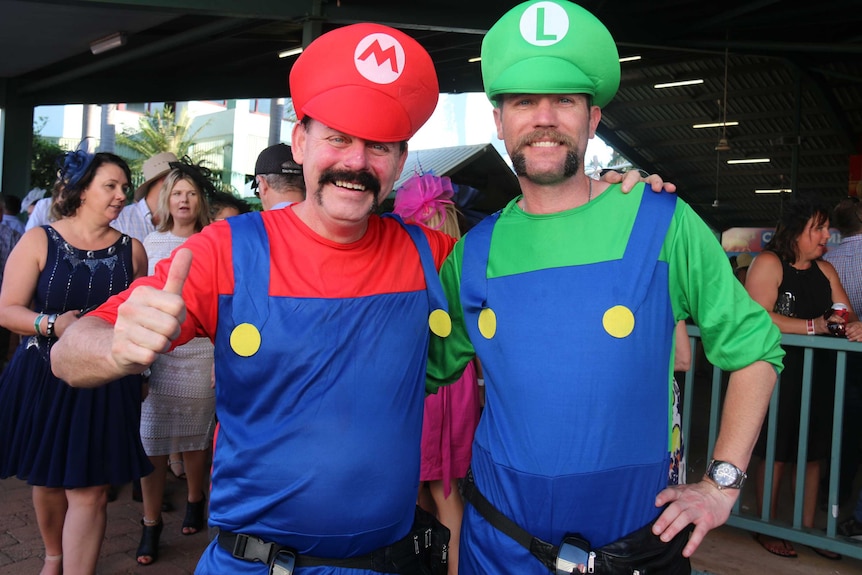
[
  {"x": 149, "y": 545},
  {"x": 194, "y": 518}
]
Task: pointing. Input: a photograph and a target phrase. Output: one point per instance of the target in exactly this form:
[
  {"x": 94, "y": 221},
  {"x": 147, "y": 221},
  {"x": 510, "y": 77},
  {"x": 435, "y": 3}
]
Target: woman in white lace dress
[{"x": 178, "y": 414}]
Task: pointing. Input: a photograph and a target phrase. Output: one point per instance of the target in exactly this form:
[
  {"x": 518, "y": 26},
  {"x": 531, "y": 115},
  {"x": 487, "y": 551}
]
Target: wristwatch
[{"x": 725, "y": 475}]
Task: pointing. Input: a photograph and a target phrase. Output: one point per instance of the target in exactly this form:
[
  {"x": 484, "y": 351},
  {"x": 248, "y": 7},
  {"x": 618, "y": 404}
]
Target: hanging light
[
  {"x": 291, "y": 52},
  {"x": 678, "y": 84},
  {"x": 115, "y": 40}
]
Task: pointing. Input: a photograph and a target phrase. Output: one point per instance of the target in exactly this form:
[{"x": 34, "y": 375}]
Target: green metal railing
[{"x": 794, "y": 531}]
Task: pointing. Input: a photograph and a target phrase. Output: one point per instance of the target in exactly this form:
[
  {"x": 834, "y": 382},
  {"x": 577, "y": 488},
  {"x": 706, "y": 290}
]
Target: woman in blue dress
[{"x": 70, "y": 443}]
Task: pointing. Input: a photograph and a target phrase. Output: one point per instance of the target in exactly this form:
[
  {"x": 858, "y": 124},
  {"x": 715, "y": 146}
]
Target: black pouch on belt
[
  {"x": 644, "y": 553},
  {"x": 425, "y": 550}
]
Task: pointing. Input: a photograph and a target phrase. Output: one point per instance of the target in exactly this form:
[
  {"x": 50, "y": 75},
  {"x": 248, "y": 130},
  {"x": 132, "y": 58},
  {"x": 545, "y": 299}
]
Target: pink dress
[{"x": 450, "y": 420}]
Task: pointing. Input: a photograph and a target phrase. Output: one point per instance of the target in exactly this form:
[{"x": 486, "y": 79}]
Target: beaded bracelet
[
  {"x": 36, "y": 324},
  {"x": 49, "y": 329}
]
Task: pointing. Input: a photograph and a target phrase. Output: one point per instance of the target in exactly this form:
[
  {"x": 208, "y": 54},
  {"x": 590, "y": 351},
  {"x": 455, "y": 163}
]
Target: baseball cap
[
  {"x": 276, "y": 159},
  {"x": 366, "y": 80},
  {"x": 153, "y": 169},
  {"x": 550, "y": 47}
]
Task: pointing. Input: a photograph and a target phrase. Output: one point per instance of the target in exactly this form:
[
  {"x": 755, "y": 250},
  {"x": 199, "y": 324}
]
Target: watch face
[{"x": 725, "y": 474}]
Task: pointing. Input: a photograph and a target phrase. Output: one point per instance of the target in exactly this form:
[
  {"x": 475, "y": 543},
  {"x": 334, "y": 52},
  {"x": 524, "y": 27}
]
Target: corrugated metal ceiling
[{"x": 794, "y": 75}]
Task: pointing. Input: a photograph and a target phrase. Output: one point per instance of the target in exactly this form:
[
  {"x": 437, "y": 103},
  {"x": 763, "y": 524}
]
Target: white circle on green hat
[
  {"x": 544, "y": 23},
  {"x": 379, "y": 58}
]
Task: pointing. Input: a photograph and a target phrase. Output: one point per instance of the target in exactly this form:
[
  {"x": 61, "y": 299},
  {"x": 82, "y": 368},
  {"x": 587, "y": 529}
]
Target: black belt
[
  {"x": 541, "y": 550},
  {"x": 251, "y": 548},
  {"x": 641, "y": 547},
  {"x": 423, "y": 550}
]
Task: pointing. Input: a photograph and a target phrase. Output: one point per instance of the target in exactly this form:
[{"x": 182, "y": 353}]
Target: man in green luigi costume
[{"x": 569, "y": 296}]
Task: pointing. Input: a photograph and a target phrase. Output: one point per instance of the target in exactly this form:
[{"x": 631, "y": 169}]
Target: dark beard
[
  {"x": 570, "y": 168},
  {"x": 365, "y": 179},
  {"x": 519, "y": 162}
]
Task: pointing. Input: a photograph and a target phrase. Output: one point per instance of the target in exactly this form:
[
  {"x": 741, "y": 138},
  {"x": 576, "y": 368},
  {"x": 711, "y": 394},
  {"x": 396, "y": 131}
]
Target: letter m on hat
[
  {"x": 379, "y": 58},
  {"x": 381, "y": 55}
]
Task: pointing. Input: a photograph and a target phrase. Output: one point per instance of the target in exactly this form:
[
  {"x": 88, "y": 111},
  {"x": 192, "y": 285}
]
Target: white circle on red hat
[
  {"x": 544, "y": 24},
  {"x": 379, "y": 58}
]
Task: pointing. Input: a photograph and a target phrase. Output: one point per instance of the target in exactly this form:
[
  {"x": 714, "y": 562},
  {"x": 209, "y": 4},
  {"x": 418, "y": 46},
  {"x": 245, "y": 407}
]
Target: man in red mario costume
[{"x": 319, "y": 313}]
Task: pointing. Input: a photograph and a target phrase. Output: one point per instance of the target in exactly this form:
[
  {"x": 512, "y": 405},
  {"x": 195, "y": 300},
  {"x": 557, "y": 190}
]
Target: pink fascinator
[{"x": 422, "y": 196}]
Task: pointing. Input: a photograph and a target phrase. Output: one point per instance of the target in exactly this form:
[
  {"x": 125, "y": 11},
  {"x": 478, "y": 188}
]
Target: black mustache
[{"x": 364, "y": 179}]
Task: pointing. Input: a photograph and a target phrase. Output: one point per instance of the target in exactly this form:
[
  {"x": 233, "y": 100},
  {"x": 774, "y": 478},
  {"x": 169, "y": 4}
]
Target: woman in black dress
[
  {"x": 798, "y": 288},
  {"x": 70, "y": 443}
]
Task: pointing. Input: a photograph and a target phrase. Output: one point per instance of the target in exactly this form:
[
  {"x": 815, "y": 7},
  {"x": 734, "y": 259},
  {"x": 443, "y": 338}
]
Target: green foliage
[
  {"x": 43, "y": 165},
  {"x": 159, "y": 131}
]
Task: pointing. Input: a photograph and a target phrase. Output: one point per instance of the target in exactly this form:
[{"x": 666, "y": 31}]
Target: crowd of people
[{"x": 300, "y": 341}]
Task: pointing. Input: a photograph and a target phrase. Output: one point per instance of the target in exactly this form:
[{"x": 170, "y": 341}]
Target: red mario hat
[{"x": 366, "y": 80}]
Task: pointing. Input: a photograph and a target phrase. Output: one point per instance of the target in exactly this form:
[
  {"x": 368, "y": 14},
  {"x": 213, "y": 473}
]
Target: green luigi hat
[{"x": 550, "y": 47}]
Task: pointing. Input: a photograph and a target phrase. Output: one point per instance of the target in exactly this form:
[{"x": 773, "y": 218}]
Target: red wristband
[{"x": 809, "y": 324}]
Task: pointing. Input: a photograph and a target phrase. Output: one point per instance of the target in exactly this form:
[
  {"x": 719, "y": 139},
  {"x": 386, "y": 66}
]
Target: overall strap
[
  {"x": 644, "y": 245},
  {"x": 474, "y": 268},
  {"x": 436, "y": 297},
  {"x": 251, "y": 269}
]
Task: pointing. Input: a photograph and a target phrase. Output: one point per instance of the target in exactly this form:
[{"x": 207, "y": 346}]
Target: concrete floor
[{"x": 731, "y": 551}]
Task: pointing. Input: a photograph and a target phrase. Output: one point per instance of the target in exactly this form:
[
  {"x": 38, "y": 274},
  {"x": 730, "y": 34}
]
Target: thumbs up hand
[{"x": 151, "y": 319}]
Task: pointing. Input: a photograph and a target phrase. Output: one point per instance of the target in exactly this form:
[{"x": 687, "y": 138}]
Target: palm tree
[{"x": 159, "y": 131}]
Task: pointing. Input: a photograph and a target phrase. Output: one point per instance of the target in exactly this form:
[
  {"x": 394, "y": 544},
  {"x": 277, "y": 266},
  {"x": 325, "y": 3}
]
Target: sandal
[
  {"x": 776, "y": 546},
  {"x": 179, "y": 465},
  {"x": 831, "y": 555},
  {"x": 149, "y": 545},
  {"x": 194, "y": 520}
]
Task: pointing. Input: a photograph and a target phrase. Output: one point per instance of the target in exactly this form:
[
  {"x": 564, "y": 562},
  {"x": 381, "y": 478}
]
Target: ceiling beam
[
  {"x": 263, "y": 9},
  {"x": 830, "y": 108},
  {"x": 408, "y": 15},
  {"x": 173, "y": 42},
  {"x": 779, "y": 48},
  {"x": 729, "y": 16},
  {"x": 629, "y": 126}
]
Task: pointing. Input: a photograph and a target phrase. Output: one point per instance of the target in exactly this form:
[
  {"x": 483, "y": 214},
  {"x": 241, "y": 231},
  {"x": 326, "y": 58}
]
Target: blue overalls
[
  {"x": 574, "y": 435},
  {"x": 320, "y": 405}
]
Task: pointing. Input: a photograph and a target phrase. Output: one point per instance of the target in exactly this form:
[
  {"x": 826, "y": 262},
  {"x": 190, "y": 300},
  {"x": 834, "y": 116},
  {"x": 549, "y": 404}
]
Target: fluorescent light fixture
[
  {"x": 749, "y": 161},
  {"x": 775, "y": 191},
  {"x": 291, "y": 52},
  {"x": 115, "y": 40},
  {"x": 715, "y": 125},
  {"x": 629, "y": 59},
  {"x": 677, "y": 84},
  {"x": 476, "y": 59}
]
